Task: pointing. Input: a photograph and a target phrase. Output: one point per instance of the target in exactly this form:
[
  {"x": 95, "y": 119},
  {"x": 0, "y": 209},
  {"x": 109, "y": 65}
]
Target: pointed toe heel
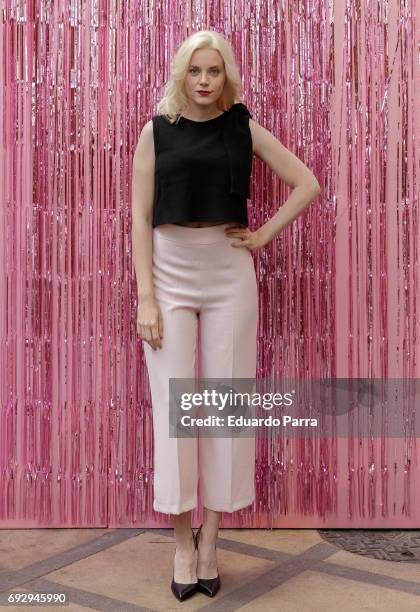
[
  {"x": 181, "y": 590},
  {"x": 208, "y": 586}
]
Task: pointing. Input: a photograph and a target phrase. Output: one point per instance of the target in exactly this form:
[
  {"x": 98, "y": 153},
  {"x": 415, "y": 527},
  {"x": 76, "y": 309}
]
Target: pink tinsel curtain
[{"x": 338, "y": 84}]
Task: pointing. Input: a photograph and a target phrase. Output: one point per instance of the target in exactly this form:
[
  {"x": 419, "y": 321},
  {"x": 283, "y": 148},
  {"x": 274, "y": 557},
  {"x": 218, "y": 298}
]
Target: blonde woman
[{"x": 192, "y": 256}]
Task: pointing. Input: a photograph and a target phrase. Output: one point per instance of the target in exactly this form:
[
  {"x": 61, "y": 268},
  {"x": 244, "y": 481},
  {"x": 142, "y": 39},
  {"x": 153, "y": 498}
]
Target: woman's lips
[{"x": 204, "y": 93}]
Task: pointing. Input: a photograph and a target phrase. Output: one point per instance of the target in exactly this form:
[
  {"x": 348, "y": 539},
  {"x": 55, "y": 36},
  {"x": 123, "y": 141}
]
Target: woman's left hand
[{"x": 251, "y": 240}]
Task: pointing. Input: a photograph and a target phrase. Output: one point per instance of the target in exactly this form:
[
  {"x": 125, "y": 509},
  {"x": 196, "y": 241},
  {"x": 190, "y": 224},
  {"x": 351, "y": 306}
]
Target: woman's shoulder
[
  {"x": 240, "y": 108},
  {"x": 162, "y": 118},
  {"x": 147, "y": 129}
]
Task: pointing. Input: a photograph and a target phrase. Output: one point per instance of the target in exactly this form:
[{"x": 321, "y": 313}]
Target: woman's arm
[
  {"x": 142, "y": 211},
  {"x": 292, "y": 171}
]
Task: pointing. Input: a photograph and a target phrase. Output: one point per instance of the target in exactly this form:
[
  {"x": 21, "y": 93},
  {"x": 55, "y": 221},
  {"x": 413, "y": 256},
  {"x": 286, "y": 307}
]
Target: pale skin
[{"x": 205, "y": 72}]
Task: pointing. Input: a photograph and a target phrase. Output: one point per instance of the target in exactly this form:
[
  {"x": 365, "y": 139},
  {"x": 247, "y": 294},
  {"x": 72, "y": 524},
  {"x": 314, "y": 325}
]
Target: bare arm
[
  {"x": 142, "y": 211},
  {"x": 292, "y": 171},
  {"x": 149, "y": 316}
]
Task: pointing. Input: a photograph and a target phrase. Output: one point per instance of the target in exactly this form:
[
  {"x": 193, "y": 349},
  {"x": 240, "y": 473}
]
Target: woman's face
[{"x": 205, "y": 72}]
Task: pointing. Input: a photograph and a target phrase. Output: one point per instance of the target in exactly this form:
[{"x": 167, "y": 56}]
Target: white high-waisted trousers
[{"x": 202, "y": 284}]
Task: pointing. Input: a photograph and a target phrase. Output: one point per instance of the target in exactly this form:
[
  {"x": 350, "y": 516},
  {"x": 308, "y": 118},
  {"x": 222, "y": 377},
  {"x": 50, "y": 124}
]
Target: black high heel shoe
[
  {"x": 183, "y": 590},
  {"x": 208, "y": 586}
]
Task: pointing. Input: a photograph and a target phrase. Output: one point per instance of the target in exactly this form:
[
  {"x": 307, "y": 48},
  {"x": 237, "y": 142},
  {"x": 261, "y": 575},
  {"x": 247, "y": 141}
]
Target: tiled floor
[{"x": 290, "y": 570}]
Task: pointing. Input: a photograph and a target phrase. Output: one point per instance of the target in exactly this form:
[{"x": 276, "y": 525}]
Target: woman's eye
[{"x": 195, "y": 71}]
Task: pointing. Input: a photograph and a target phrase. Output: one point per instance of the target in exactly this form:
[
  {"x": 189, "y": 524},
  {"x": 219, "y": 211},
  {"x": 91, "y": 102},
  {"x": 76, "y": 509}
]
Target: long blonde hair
[{"x": 174, "y": 99}]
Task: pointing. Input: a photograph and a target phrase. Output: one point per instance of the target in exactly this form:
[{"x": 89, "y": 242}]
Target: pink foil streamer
[{"x": 337, "y": 83}]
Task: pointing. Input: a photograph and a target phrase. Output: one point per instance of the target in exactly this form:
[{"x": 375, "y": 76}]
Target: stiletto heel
[
  {"x": 183, "y": 590},
  {"x": 208, "y": 586}
]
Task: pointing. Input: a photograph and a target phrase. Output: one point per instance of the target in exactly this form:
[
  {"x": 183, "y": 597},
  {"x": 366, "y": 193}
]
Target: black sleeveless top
[{"x": 202, "y": 168}]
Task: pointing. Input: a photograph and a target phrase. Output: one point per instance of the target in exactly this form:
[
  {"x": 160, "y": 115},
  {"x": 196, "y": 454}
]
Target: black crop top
[{"x": 202, "y": 168}]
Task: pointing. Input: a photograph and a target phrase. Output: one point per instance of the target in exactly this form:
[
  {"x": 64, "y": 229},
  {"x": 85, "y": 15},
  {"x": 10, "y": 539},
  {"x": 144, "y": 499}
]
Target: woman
[{"x": 192, "y": 256}]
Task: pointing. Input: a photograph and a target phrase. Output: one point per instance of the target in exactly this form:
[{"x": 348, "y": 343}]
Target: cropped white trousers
[{"x": 203, "y": 285}]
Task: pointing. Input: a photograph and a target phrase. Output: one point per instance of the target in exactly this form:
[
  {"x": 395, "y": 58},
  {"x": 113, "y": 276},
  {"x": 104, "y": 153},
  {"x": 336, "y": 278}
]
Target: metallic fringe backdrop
[{"x": 338, "y": 84}]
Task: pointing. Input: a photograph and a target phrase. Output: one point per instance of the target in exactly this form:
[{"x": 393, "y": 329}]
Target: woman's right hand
[{"x": 150, "y": 322}]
